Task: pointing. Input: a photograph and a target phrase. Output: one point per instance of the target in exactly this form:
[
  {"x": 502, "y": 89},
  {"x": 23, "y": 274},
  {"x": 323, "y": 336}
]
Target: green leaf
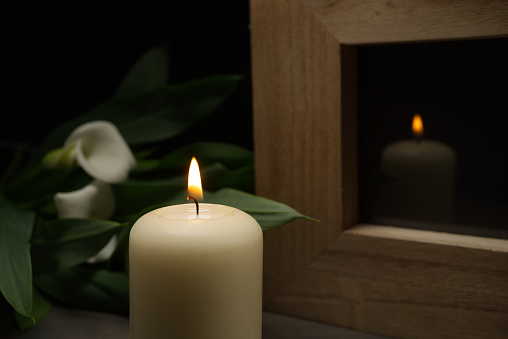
[
  {"x": 16, "y": 227},
  {"x": 157, "y": 114},
  {"x": 134, "y": 195},
  {"x": 149, "y": 71},
  {"x": 64, "y": 243},
  {"x": 207, "y": 153},
  {"x": 14, "y": 166},
  {"x": 145, "y": 166},
  {"x": 268, "y": 213},
  {"x": 44, "y": 184},
  {"x": 174, "y": 109},
  {"x": 144, "y": 162},
  {"x": 88, "y": 288},
  {"x": 217, "y": 176},
  {"x": 41, "y": 307}
]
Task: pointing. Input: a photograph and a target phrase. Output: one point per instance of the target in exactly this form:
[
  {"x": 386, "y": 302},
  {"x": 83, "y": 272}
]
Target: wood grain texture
[
  {"x": 404, "y": 289},
  {"x": 304, "y": 89},
  {"x": 292, "y": 71},
  {"x": 381, "y": 21}
]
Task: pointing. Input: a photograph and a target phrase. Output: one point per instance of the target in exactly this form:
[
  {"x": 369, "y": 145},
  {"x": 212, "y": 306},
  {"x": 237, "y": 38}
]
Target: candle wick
[{"x": 196, "y": 202}]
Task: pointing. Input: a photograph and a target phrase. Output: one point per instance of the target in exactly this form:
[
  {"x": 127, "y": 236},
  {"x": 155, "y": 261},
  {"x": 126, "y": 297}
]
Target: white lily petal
[
  {"x": 102, "y": 152},
  {"x": 96, "y": 200},
  {"x": 106, "y": 251}
]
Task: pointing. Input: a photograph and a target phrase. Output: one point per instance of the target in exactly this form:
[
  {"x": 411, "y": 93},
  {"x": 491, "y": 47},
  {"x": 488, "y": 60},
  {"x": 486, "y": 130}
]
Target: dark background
[
  {"x": 60, "y": 62},
  {"x": 460, "y": 88}
]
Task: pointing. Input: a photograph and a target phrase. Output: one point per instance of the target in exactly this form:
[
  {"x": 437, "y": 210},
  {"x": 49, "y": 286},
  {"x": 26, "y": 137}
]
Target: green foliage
[
  {"x": 43, "y": 259},
  {"x": 163, "y": 112},
  {"x": 148, "y": 72},
  {"x": 16, "y": 277},
  {"x": 268, "y": 213},
  {"x": 88, "y": 288},
  {"x": 63, "y": 243},
  {"x": 40, "y": 307},
  {"x": 231, "y": 156}
]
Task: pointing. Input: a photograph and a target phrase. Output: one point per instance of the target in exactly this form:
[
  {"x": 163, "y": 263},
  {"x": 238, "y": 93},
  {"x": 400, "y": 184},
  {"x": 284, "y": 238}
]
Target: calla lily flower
[
  {"x": 101, "y": 151},
  {"x": 96, "y": 200}
]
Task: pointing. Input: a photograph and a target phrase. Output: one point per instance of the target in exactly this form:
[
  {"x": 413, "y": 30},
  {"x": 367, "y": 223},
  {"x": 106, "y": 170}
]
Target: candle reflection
[{"x": 421, "y": 178}]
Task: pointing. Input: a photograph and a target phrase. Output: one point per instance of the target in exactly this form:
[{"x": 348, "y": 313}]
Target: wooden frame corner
[{"x": 414, "y": 284}]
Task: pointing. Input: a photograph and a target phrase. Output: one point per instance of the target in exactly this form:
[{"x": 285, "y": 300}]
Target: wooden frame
[{"x": 396, "y": 282}]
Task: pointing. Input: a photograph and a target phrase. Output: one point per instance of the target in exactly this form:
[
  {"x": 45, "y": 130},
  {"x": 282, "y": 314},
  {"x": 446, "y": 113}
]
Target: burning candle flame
[
  {"x": 194, "y": 182},
  {"x": 417, "y": 126}
]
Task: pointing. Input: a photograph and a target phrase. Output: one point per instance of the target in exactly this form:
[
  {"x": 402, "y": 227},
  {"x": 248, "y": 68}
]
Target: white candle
[
  {"x": 196, "y": 276},
  {"x": 422, "y": 179}
]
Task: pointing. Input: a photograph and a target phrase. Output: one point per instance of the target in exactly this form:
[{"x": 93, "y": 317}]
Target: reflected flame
[
  {"x": 417, "y": 126},
  {"x": 194, "y": 181}
]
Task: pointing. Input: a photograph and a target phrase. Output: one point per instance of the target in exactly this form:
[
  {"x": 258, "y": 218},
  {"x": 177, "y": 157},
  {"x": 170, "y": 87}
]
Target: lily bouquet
[{"x": 66, "y": 209}]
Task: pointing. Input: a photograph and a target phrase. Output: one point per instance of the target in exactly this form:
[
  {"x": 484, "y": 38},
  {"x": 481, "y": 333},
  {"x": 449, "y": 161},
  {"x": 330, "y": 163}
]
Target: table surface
[{"x": 66, "y": 323}]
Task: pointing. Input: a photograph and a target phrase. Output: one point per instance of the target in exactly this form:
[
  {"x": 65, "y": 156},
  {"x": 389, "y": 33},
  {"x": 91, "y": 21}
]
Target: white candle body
[
  {"x": 196, "y": 277},
  {"x": 422, "y": 181}
]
